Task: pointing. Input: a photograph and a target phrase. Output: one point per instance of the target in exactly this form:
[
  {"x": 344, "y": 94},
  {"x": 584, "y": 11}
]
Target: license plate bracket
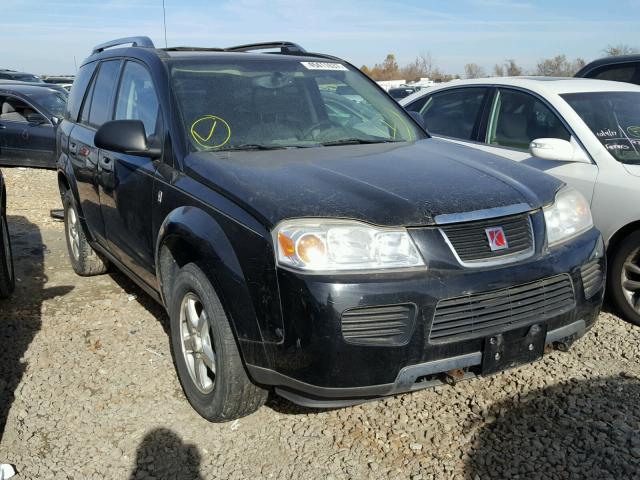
[{"x": 501, "y": 353}]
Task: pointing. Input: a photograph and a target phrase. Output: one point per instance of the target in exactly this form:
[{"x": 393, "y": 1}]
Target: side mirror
[
  {"x": 418, "y": 118},
  {"x": 556, "y": 149},
  {"x": 35, "y": 118},
  {"x": 125, "y": 136}
]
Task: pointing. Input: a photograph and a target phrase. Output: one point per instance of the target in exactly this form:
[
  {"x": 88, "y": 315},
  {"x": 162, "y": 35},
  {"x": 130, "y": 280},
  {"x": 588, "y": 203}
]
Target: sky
[{"x": 51, "y": 36}]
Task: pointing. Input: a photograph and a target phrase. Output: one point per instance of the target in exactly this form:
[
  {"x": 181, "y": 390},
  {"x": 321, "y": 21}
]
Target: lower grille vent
[
  {"x": 385, "y": 326},
  {"x": 592, "y": 277},
  {"x": 483, "y": 314}
]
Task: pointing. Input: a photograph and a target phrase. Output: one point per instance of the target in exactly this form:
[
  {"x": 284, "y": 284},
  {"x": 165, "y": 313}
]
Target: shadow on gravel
[
  {"x": 20, "y": 315},
  {"x": 580, "y": 429},
  {"x": 162, "y": 455},
  {"x": 142, "y": 297}
]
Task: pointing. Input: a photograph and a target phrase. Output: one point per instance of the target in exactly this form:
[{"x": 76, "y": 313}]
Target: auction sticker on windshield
[{"x": 324, "y": 66}]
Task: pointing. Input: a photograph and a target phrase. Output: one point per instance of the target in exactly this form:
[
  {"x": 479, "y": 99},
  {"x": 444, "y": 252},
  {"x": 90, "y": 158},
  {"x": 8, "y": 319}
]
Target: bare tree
[
  {"x": 473, "y": 70},
  {"x": 620, "y": 49},
  {"x": 508, "y": 68},
  {"x": 559, "y": 66}
]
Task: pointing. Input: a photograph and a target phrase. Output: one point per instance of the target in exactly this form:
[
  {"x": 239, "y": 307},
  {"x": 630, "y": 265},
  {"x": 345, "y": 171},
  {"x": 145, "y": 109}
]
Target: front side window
[
  {"x": 454, "y": 113},
  {"x": 614, "y": 118},
  {"x": 15, "y": 110},
  {"x": 103, "y": 88},
  {"x": 137, "y": 99},
  {"x": 518, "y": 118},
  {"x": 278, "y": 103}
]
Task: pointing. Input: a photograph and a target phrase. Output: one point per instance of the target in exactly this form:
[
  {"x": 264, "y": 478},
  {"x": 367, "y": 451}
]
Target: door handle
[{"x": 73, "y": 148}]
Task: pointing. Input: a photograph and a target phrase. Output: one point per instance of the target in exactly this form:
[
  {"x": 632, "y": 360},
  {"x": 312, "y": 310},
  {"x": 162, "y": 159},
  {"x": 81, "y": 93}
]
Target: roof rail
[
  {"x": 134, "y": 41},
  {"x": 285, "y": 47}
]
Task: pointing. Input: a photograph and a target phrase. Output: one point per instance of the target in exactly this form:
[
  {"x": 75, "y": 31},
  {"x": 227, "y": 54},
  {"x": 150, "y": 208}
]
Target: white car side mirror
[{"x": 557, "y": 149}]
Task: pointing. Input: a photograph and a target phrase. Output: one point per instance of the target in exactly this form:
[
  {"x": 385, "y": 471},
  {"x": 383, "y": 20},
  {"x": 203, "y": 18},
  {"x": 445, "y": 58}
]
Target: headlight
[
  {"x": 568, "y": 216},
  {"x": 330, "y": 245}
]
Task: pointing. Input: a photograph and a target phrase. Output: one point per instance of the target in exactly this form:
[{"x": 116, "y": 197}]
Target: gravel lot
[{"x": 88, "y": 391}]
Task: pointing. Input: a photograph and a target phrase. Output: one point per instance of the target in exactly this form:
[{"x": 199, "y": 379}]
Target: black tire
[
  {"x": 7, "y": 277},
  {"x": 84, "y": 259},
  {"x": 233, "y": 395},
  {"x": 627, "y": 249}
]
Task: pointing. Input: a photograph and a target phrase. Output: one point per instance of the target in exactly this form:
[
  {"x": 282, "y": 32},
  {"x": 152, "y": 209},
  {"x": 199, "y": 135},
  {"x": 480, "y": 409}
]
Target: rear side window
[
  {"x": 454, "y": 113},
  {"x": 137, "y": 99},
  {"x": 100, "y": 110},
  {"x": 627, "y": 72},
  {"x": 518, "y": 118},
  {"x": 78, "y": 91}
]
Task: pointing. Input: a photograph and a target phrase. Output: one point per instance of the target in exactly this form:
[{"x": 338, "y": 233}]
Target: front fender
[{"x": 214, "y": 252}]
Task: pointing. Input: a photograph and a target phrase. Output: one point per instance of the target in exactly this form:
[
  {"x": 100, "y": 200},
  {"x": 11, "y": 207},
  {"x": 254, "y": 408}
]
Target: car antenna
[{"x": 164, "y": 22}]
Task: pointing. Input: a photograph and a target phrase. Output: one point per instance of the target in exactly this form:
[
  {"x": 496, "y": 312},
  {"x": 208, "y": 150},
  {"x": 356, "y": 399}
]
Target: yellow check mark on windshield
[{"x": 208, "y": 137}]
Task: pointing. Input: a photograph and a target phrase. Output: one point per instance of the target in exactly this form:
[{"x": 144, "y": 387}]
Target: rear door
[
  {"x": 24, "y": 143},
  {"x": 96, "y": 109},
  {"x": 126, "y": 181}
]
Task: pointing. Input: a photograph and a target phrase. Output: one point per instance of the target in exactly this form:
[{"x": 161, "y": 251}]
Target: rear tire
[
  {"x": 205, "y": 353},
  {"x": 623, "y": 279},
  {"x": 7, "y": 278},
  {"x": 84, "y": 259}
]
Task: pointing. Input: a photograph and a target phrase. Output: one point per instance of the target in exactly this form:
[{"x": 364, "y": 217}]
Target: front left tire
[
  {"x": 7, "y": 278},
  {"x": 205, "y": 353}
]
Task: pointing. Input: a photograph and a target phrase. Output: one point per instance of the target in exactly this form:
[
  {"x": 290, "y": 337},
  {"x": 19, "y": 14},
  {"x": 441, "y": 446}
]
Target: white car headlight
[
  {"x": 330, "y": 245},
  {"x": 567, "y": 217}
]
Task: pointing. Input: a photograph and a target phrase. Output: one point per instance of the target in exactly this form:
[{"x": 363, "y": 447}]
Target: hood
[{"x": 404, "y": 184}]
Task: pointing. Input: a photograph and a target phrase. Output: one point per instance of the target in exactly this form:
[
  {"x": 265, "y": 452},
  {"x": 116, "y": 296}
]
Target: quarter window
[
  {"x": 518, "y": 118},
  {"x": 454, "y": 113},
  {"x": 137, "y": 99}
]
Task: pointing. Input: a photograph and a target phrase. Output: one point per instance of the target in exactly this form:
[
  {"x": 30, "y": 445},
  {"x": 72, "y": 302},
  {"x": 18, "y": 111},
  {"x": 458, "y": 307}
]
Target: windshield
[
  {"x": 280, "y": 103},
  {"x": 53, "y": 102},
  {"x": 614, "y": 118}
]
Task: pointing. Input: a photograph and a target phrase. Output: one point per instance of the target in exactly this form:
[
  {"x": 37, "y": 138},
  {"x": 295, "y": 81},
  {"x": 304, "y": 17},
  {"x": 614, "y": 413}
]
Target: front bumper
[{"x": 316, "y": 366}]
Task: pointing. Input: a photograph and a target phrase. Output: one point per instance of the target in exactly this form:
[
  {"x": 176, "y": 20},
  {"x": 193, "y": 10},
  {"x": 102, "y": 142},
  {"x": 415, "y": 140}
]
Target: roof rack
[
  {"x": 134, "y": 41},
  {"x": 285, "y": 47}
]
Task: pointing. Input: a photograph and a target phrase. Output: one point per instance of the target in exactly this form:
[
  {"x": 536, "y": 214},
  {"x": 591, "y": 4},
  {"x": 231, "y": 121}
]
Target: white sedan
[{"x": 586, "y": 132}]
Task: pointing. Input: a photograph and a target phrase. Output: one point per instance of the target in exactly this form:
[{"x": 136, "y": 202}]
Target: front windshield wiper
[
  {"x": 355, "y": 141},
  {"x": 256, "y": 146}
]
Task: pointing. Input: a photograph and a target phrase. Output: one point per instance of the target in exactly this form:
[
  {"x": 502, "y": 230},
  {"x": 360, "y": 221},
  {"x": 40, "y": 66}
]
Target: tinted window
[
  {"x": 77, "y": 92},
  {"x": 518, "y": 118},
  {"x": 86, "y": 108},
  {"x": 102, "y": 93},
  {"x": 617, "y": 73},
  {"x": 614, "y": 118},
  {"x": 137, "y": 99},
  {"x": 454, "y": 113}
]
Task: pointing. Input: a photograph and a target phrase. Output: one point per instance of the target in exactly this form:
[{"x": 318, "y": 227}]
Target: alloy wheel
[
  {"x": 73, "y": 233},
  {"x": 197, "y": 348},
  {"x": 630, "y": 278}
]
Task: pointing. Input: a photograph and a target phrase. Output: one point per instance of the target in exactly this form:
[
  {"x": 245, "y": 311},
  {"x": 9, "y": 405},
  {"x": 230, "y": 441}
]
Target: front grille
[
  {"x": 470, "y": 242},
  {"x": 592, "y": 277},
  {"x": 385, "y": 326},
  {"x": 483, "y": 314}
]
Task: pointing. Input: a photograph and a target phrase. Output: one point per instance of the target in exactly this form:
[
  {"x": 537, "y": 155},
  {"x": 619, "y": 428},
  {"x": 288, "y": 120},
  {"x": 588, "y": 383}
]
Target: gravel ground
[{"x": 88, "y": 391}]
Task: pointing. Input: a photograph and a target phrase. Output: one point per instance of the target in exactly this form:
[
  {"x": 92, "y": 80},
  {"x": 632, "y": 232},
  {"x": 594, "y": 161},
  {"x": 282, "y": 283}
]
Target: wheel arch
[
  {"x": 620, "y": 235},
  {"x": 189, "y": 234}
]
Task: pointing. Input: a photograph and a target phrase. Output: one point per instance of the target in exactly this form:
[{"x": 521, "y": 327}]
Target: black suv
[{"x": 331, "y": 256}]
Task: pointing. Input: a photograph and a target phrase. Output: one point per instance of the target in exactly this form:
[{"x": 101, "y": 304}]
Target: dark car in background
[
  {"x": 623, "y": 68},
  {"x": 64, "y": 81},
  {"x": 331, "y": 259},
  {"x": 29, "y": 116},
  {"x": 6, "y": 74}
]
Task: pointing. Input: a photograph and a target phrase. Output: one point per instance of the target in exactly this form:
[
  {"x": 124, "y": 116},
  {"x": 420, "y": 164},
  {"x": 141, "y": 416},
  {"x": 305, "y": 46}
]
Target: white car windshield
[
  {"x": 614, "y": 118},
  {"x": 281, "y": 103}
]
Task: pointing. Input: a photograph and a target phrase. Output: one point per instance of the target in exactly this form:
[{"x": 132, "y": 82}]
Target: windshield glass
[
  {"x": 614, "y": 117},
  {"x": 280, "y": 103},
  {"x": 53, "y": 102}
]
